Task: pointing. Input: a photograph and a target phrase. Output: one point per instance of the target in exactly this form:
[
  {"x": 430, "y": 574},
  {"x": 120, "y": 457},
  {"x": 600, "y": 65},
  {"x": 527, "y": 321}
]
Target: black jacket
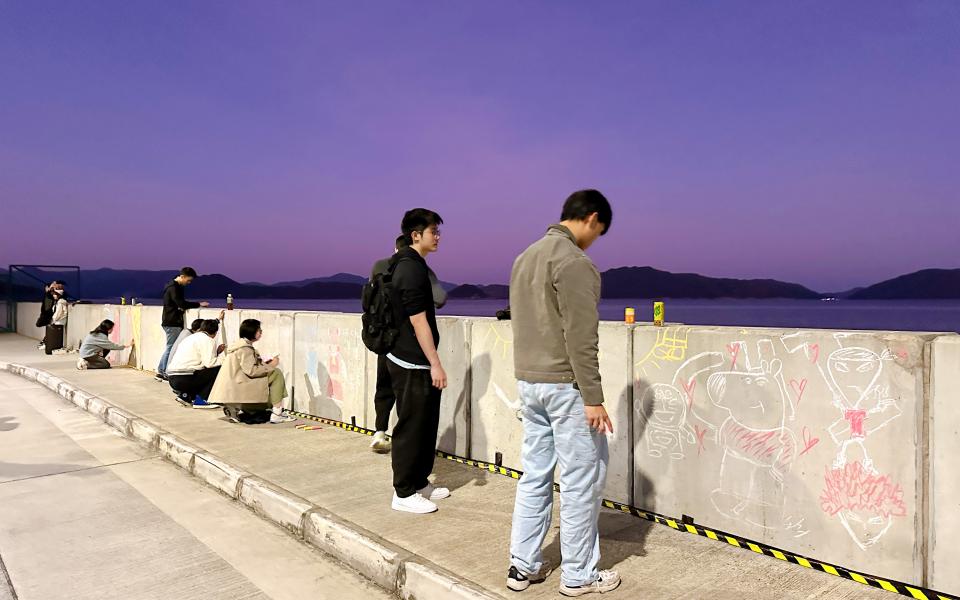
[
  {"x": 174, "y": 305},
  {"x": 413, "y": 294}
]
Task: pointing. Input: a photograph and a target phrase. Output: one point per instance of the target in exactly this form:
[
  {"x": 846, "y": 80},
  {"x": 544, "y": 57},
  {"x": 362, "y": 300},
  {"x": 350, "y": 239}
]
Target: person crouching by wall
[
  {"x": 97, "y": 345},
  {"x": 246, "y": 382},
  {"x": 194, "y": 368}
]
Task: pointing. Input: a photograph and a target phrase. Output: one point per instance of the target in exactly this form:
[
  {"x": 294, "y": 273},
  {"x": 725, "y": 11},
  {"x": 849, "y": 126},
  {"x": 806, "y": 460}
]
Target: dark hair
[
  {"x": 401, "y": 242},
  {"x": 584, "y": 203},
  {"x": 104, "y": 327},
  {"x": 418, "y": 219},
  {"x": 249, "y": 329},
  {"x": 210, "y": 326},
  {"x": 196, "y": 325},
  {"x": 58, "y": 281},
  {"x": 188, "y": 272}
]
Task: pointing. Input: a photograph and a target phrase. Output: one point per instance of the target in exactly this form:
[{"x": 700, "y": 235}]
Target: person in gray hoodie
[{"x": 97, "y": 345}]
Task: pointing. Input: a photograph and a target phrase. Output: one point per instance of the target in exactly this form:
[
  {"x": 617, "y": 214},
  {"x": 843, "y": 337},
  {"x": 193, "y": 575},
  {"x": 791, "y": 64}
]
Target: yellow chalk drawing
[
  {"x": 501, "y": 343},
  {"x": 671, "y": 346}
]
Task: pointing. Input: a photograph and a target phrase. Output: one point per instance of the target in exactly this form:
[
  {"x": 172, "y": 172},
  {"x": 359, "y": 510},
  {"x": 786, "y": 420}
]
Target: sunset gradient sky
[{"x": 814, "y": 142}]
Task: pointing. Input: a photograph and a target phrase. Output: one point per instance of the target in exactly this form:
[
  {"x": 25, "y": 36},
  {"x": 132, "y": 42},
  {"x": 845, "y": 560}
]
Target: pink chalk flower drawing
[{"x": 865, "y": 502}]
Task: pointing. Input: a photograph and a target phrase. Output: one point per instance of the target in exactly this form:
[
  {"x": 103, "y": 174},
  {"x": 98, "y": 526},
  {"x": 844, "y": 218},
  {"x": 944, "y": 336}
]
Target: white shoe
[
  {"x": 60, "y": 351},
  {"x": 413, "y": 504},
  {"x": 606, "y": 582},
  {"x": 275, "y": 418},
  {"x": 434, "y": 493},
  {"x": 381, "y": 443},
  {"x": 81, "y": 364}
]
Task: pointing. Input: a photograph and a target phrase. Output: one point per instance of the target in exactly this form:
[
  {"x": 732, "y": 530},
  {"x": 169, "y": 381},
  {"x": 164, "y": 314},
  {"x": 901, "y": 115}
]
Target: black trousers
[
  {"x": 415, "y": 435},
  {"x": 199, "y": 384},
  {"x": 53, "y": 338},
  {"x": 98, "y": 361},
  {"x": 384, "y": 398}
]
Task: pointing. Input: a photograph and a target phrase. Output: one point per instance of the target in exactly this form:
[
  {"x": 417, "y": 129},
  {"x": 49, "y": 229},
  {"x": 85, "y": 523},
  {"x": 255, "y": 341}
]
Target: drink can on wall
[{"x": 658, "y": 314}]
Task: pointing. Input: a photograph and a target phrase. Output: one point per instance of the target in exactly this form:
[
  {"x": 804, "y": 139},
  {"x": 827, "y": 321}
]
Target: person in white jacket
[
  {"x": 194, "y": 368},
  {"x": 53, "y": 341}
]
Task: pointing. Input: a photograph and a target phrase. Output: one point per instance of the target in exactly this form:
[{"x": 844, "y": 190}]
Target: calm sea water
[{"x": 904, "y": 315}]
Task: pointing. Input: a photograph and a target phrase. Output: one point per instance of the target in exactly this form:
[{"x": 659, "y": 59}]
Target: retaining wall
[{"x": 835, "y": 445}]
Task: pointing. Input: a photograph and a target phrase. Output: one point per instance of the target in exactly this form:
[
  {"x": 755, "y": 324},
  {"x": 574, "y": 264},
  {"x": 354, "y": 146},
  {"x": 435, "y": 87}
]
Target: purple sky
[{"x": 814, "y": 142}]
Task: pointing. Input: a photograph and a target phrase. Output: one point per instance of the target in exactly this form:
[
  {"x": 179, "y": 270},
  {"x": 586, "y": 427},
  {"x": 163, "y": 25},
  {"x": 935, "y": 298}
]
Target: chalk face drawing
[
  {"x": 764, "y": 427},
  {"x": 664, "y": 408},
  {"x": 864, "y": 502}
]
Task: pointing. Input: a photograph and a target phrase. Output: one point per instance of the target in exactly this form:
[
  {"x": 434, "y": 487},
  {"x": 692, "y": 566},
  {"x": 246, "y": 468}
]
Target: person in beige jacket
[{"x": 246, "y": 382}]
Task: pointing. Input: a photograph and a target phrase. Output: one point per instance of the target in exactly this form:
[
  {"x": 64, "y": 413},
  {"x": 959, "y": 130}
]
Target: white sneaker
[
  {"x": 381, "y": 443},
  {"x": 413, "y": 504},
  {"x": 60, "y": 351},
  {"x": 81, "y": 364},
  {"x": 606, "y": 582},
  {"x": 434, "y": 493},
  {"x": 275, "y": 418}
]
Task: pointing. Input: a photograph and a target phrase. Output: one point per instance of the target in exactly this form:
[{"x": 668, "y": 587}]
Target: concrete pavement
[
  {"x": 90, "y": 514},
  {"x": 469, "y": 537}
]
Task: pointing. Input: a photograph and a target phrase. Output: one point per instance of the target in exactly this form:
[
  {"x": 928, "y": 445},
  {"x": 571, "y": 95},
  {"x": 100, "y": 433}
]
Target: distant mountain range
[{"x": 624, "y": 282}]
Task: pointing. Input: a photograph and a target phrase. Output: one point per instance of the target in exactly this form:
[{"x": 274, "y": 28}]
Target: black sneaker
[{"x": 518, "y": 582}]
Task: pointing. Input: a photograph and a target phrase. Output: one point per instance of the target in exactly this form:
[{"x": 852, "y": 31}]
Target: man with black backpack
[
  {"x": 384, "y": 398},
  {"x": 400, "y": 322}
]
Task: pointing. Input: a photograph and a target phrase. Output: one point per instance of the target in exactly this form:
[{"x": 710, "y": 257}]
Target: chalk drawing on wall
[
  {"x": 670, "y": 347},
  {"x": 664, "y": 410},
  {"x": 758, "y": 448},
  {"x": 325, "y": 375},
  {"x": 864, "y": 501}
]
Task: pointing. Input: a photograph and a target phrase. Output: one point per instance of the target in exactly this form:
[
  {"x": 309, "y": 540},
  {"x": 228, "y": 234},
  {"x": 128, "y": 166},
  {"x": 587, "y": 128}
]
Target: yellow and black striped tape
[{"x": 889, "y": 585}]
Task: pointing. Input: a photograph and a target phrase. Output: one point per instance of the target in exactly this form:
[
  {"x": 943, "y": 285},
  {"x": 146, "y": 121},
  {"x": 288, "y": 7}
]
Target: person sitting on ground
[
  {"x": 194, "y": 368},
  {"x": 246, "y": 382},
  {"x": 97, "y": 345}
]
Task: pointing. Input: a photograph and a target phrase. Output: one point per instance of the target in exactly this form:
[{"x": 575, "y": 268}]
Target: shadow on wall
[
  {"x": 8, "y": 423},
  {"x": 322, "y": 400},
  {"x": 447, "y": 441}
]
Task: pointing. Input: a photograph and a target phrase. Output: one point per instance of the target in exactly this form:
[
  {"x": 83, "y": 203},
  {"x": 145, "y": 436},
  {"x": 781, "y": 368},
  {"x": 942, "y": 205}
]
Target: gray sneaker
[{"x": 606, "y": 582}]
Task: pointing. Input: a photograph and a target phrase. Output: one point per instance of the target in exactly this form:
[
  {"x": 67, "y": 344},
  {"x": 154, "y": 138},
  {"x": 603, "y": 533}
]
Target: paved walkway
[
  {"x": 88, "y": 514},
  {"x": 469, "y": 536}
]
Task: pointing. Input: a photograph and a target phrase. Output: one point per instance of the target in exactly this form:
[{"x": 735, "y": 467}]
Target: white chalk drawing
[
  {"x": 664, "y": 410},
  {"x": 515, "y": 406}
]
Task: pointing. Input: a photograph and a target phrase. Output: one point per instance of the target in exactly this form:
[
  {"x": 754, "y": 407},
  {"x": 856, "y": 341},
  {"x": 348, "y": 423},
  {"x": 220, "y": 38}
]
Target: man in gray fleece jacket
[{"x": 554, "y": 292}]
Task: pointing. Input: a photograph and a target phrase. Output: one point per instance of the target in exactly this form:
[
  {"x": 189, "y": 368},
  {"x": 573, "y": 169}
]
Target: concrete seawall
[{"x": 830, "y": 444}]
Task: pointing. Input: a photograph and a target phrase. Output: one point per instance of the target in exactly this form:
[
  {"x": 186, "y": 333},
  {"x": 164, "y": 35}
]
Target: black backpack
[{"x": 380, "y": 324}]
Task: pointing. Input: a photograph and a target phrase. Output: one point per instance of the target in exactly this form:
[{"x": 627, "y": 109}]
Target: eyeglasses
[{"x": 435, "y": 231}]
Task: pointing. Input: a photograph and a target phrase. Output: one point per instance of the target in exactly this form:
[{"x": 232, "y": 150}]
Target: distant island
[{"x": 623, "y": 282}]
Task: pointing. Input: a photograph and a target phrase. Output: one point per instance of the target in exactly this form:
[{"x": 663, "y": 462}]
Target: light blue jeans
[
  {"x": 172, "y": 333},
  {"x": 555, "y": 429}
]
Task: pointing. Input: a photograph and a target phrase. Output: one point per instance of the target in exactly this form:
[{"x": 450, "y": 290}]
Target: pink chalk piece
[
  {"x": 856, "y": 417},
  {"x": 734, "y": 350},
  {"x": 700, "y": 432},
  {"x": 808, "y": 440},
  {"x": 814, "y": 352},
  {"x": 798, "y": 388},
  {"x": 688, "y": 387},
  {"x": 854, "y": 488}
]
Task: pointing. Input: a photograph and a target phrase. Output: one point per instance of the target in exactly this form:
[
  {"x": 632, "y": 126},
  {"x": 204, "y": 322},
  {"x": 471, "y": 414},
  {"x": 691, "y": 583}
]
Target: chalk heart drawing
[
  {"x": 814, "y": 353},
  {"x": 734, "y": 350},
  {"x": 798, "y": 388},
  {"x": 808, "y": 440},
  {"x": 865, "y": 502},
  {"x": 664, "y": 410}
]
